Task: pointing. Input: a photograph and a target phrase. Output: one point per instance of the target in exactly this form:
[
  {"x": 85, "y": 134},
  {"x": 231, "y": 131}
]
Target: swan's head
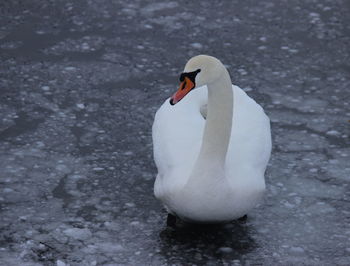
[{"x": 199, "y": 70}]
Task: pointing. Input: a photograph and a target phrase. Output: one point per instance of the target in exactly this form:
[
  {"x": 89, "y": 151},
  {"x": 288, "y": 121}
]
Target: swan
[{"x": 211, "y": 148}]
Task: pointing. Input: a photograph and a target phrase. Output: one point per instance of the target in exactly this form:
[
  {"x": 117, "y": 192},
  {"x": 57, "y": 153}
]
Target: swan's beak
[{"x": 185, "y": 87}]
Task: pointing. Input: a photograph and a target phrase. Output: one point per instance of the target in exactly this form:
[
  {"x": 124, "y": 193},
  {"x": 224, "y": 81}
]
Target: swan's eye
[
  {"x": 182, "y": 76},
  {"x": 191, "y": 75}
]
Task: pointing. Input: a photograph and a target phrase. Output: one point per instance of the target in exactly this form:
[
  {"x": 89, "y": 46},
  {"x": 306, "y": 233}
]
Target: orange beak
[{"x": 185, "y": 87}]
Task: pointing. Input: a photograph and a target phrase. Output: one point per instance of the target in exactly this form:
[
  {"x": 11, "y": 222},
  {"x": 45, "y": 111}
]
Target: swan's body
[{"x": 211, "y": 170}]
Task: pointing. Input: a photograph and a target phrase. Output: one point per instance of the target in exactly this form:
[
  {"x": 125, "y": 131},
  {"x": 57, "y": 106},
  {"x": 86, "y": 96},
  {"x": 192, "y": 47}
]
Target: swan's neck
[{"x": 218, "y": 125}]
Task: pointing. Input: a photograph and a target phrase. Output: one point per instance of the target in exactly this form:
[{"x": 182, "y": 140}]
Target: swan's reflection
[{"x": 192, "y": 243}]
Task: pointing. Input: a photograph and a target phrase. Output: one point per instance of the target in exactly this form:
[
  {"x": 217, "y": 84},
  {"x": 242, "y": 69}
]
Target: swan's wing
[
  {"x": 177, "y": 135},
  {"x": 250, "y": 144},
  {"x": 204, "y": 111}
]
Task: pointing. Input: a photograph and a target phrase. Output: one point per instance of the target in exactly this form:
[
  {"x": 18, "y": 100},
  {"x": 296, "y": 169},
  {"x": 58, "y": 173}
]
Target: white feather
[{"x": 216, "y": 196}]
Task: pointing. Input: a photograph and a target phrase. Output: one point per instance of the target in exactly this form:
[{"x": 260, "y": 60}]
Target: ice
[
  {"x": 45, "y": 88},
  {"x": 78, "y": 233},
  {"x": 225, "y": 250},
  {"x": 70, "y": 68},
  {"x": 79, "y": 90},
  {"x": 333, "y": 133},
  {"x": 110, "y": 248},
  {"x": 60, "y": 263},
  {"x": 130, "y": 204},
  {"x": 151, "y": 8},
  {"x": 242, "y": 71},
  {"x": 80, "y": 105},
  {"x": 297, "y": 250},
  {"x": 197, "y": 45},
  {"x": 84, "y": 45}
]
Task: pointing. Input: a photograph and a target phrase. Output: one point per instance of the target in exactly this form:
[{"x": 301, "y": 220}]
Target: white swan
[{"x": 210, "y": 170}]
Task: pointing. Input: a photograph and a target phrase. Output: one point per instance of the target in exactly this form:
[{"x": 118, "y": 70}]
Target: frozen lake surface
[{"x": 80, "y": 83}]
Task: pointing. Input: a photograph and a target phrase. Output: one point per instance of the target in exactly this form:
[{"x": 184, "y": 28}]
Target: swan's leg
[
  {"x": 243, "y": 218},
  {"x": 171, "y": 220}
]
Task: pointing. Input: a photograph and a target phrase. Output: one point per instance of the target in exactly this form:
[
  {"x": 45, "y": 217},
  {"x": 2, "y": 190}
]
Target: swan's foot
[
  {"x": 243, "y": 218},
  {"x": 171, "y": 220}
]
